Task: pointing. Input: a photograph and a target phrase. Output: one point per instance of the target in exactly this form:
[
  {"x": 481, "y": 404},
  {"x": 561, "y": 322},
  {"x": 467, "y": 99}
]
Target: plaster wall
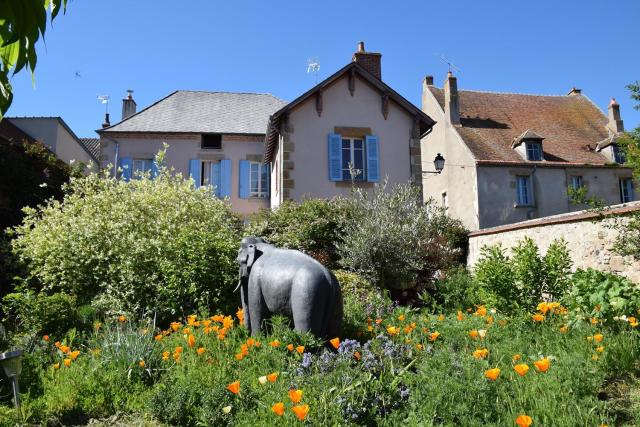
[
  {"x": 364, "y": 109},
  {"x": 183, "y": 148}
]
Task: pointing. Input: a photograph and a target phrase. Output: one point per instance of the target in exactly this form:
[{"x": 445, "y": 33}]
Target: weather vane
[
  {"x": 104, "y": 99},
  {"x": 313, "y": 66}
]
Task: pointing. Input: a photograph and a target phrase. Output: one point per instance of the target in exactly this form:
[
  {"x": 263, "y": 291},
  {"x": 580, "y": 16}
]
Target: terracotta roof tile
[{"x": 571, "y": 125}]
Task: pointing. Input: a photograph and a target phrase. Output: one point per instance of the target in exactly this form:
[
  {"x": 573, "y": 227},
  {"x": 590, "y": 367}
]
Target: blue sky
[{"x": 155, "y": 47}]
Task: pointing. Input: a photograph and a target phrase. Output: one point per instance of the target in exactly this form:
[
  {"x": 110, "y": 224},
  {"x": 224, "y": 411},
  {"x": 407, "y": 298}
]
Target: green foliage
[
  {"x": 21, "y": 25},
  {"x": 521, "y": 281},
  {"x": 40, "y": 313},
  {"x": 602, "y": 295},
  {"x": 395, "y": 240},
  {"x": 313, "y": 226},
  {"x": 144, "y": 246},
  {"x": 457, "y": 290}
]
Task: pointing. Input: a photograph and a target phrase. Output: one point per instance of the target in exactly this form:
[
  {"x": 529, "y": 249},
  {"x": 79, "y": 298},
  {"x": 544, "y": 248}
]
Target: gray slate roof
[
  {"x": 93, "y": 145},
  {"x": 203, "y": 112}
]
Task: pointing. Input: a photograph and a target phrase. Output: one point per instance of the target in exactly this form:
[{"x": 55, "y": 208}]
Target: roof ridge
[
  {"x": 514, "y": 93},
  {"x": 226, "y": 91}
]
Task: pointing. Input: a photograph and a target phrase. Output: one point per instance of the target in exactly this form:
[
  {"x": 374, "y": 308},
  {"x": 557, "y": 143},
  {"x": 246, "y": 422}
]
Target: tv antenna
[
  {"x": 451, "y": 65},
  {"x": 313, "y": 66},
  {"x": 104, "y": 99}
]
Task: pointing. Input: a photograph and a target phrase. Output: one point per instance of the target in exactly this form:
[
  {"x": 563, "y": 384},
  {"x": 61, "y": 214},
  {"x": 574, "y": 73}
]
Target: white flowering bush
[{"x": 148, "y": 246}]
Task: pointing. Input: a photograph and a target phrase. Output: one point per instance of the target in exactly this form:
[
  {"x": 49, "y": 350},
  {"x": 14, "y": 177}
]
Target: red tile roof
[{"x": 571, "y": 125}]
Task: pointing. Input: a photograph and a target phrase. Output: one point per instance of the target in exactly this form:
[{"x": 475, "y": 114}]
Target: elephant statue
[{"x": 287, "y": 282}]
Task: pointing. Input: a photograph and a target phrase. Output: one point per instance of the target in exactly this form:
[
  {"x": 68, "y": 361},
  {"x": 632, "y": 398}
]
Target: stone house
[
  {"x": 350, "y": 129},
  {"x": 512, "y": 157},
  {"x": 217, "y": 138},
  {"x": 54, "y": 133}
]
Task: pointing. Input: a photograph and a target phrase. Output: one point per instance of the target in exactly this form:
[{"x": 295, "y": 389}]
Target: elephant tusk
[{"x": 238, "y": 287}]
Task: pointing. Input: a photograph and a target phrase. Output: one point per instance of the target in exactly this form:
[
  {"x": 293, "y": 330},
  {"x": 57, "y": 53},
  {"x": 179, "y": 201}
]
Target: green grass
[{"x": 403, "y": 379}]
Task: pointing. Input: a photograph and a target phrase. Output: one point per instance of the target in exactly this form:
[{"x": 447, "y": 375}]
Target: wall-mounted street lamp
[
  {"x": 11, "y": 363},
  {"x": 438, "y": 162}
]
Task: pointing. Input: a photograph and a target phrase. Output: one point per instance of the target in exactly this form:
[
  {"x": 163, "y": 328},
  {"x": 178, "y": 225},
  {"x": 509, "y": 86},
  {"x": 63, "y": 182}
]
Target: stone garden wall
[{"x": 588, "y": 234}]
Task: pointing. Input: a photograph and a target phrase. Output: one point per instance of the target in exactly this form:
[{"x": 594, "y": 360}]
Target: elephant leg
[
  {"x": 257, "y": 308},
  {"x": 309, "y": 306}
]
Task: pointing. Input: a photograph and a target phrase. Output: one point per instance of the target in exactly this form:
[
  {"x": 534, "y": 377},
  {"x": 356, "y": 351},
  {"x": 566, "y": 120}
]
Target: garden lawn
[{"x": 400, "y": 367}]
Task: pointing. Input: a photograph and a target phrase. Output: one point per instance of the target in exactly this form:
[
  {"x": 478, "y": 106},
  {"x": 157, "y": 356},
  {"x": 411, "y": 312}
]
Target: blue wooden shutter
[
  {"x": 154, "y": 169},
  {"x": 194, "y": 171},
  {"x": 126, "y": 163},
  {"x": 335, "y": 157},
  {"x": 373, "y": 164},
  {"x": 214, "y": 173},
  {"x": 244, "y": 179},
  {"x": 225, "y": 178}
]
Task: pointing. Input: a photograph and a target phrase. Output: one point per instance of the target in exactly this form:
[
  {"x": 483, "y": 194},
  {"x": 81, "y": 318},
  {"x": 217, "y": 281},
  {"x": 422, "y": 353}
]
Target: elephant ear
[{"x": 253, "y": 254}]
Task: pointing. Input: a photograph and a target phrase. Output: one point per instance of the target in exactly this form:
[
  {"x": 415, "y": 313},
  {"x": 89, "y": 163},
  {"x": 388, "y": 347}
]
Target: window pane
[
  {"x": 264, "y": 189},
  {"x": 254, "y": 177},
  {"x": 523, "y": 190},
  {"x": 534, "y": 151}
]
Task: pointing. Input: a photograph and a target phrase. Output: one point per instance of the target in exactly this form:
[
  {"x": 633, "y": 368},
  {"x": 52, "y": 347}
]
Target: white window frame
[
  {"x": 576, "y": 182},
  {"x": 363, "y": 173},
  {"x": 527, "y": 192},
  {"x": 205, "y": 171},
  {"x": 533, "y": 147},
  {"x": 260, "y": 192},
  {"x": 147, "y": 165},
  {"x": 626, "y": 190}
]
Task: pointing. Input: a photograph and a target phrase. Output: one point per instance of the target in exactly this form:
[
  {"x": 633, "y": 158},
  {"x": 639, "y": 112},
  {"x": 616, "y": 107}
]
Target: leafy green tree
[{"x": 22, "y": 23}]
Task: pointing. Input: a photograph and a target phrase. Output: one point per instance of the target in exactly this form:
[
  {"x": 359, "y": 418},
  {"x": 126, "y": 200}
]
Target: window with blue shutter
[
  {"x": 335, "y": 157},
  {"x": 195, "y": 172},
  {"x": 244, "y": 179},
  {"x": 225, "y": 178},
  {"x": 126, "y": 164},
  {"x": 154, "y": 169},
  {"x": 373, "y": 162},
  {"x": 214, "y": 177}
]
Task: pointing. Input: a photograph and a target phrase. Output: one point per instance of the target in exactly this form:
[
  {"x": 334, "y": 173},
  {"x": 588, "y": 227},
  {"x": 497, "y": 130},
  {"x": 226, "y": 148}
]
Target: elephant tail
[{"x": 335, "y": 310}]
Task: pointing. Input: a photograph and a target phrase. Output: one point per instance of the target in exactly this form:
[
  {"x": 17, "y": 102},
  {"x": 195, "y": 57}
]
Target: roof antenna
[
  {"x": 450, "y": 64},
  {"x": 313, "y": 66}
]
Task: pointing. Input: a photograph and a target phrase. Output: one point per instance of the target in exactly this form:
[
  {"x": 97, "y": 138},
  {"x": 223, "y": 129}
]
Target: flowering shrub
[
  {"x": 473, "y": 367},
  {"x": 145, "y": 246}
]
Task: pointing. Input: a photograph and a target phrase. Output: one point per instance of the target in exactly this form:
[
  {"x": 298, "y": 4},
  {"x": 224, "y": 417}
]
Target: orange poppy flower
[
  {"x": 301, "y": 411},
  {"x": 295, "y": 395},
  {"x": 290, "y": 347},
  {"x": 594, "y": 321},
  {"x": 392, "y": 330},
  {"x": 74, "y": 355},
  {"x": 542, "y": 365},
  {"x": 158, "y": 337},
  {"x": 434, "y": 336},
  {"x": 441, "y": 317},
  {"x": 122, "y": 318},
  {"x": 378, "y": 321},
  {"x": 564, "y": 329},
  {"x": 473, "y": 334},
  {"x": 598, "y": 337},
  {"x": 515, "y": 358},
  {"x": 191, "y": 340},
  {"x": 175, "y": 326},
  {"x": 459, "y": 316},
  {"x": 65, "y": 349},
  {"x": 67, "y": 362},
  {"x": 141, "y": 364},
  {"x": 492, "y": 374},
  {"x": 57, "y": 344},
  {"x": 538, "y": 317},
  {"x": 240, "y": 315},
  {"x": 600, "y": 349},
  {"x": 234, "y": 387},
  {"x": 272, "y": 377},
  {"x": 56, "y": 366},
  {"x": 239, "y": 356},
  {"x": 419, "y": 346},
  {"x": 524, "y": 420},
  {"x": 335, "y": 342},
  {"x": 369, "y": 328},
  {"x": 521, "y": 369},
  {"x": 274, "y": 343},
  {"x": 278, "y": 409},
  {"x": 45, "y": 337},
  {"x": 165, "y": 355},
  {"x": 244, "y": 349},
  {"x": 357, "y": 355},
  {"x": 300, "y": 349},
  {"x": 481, "y": 353},
  {"x": 200, "y": 351},
  {"x": 401, "y": 318}
]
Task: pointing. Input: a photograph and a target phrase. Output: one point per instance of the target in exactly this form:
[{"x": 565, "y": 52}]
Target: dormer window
[
  {"x": 534, "y": 151},
  {"x": 529, "y": 146},
  {"x": 618, "y": 154}
]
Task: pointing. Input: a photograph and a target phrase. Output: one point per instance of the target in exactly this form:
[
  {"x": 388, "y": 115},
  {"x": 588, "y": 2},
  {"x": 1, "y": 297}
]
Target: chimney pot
[
  {"x": 428, "y": 80},
  {"x": 106, "y": 122},
  {"x": 370, "y": 61},
  {"x": 128, "y": 105}
]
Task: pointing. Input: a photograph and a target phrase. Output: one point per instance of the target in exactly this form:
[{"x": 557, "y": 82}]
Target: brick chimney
[
  {"x": 615, "y": 122},
  {"x": 371, "y": 61},
  {"x": 128, "y": 105},
  {"x": 451, "y": 101}
]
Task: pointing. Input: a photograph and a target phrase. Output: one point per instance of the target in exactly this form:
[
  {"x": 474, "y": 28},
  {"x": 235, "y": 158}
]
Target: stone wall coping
[{"x": 578, "y": 216}]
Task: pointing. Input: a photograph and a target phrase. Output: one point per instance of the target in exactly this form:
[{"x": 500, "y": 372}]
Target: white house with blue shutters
[
  {"x": 350, "y": 129},
  {"x": 217, "y": 138}
]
